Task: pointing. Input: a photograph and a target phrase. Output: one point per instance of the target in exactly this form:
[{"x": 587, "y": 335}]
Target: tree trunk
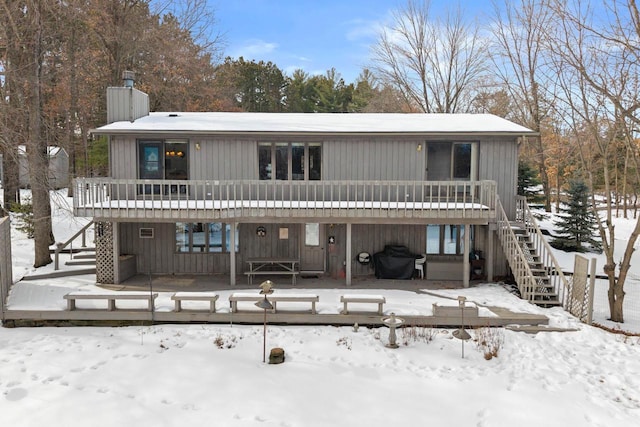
[
  {"x": 615, "y": 305},
  {"x": 84, "y": 137},
  {"x": 625, "y": 177},
  {"x": 558, "y": 189},
  {"x": 10, "y": 178},
  {"x": 544, "y": 177},
  {"x": 10, "y": 137},
  {"x": 616, "y": 186},
  {"x": 616, "y": 298},
  {"x": 73, "y": 110},
  {"x": 37, "y": 154}
]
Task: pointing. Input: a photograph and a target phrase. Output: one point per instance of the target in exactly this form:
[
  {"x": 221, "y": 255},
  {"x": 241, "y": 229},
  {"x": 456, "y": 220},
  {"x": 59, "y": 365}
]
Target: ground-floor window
[
  {"x": 446, "y": 239},
  {"x": 195, "y": 237},
  {"x": 312, "y": 234}
]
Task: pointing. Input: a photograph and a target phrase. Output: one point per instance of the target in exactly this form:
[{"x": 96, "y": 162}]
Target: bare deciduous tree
[
  {"x": 598, "y": 63},
  {"x": 434, "y": 63},
  {"x": 198, "y": 18},
  {"x": 51, "y": 96},
  {"x": 25, "y": 27},
  {"x": 519, "y": 33},
  {"x": 9, "y": 110}
]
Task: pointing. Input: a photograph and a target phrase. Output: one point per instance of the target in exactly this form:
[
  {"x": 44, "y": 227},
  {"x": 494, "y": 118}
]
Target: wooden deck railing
[
  {"x": 516, "y": 258},
  {"x": 106, "y": 198},
  {"x": 82, "y": 233},
  {"x": 519, "y": 261},
  {"x": 525, "y": 217}
]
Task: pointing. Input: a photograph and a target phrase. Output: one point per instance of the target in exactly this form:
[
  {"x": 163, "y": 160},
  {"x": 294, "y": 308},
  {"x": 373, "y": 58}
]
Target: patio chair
[{"x": 420, "y": 263}]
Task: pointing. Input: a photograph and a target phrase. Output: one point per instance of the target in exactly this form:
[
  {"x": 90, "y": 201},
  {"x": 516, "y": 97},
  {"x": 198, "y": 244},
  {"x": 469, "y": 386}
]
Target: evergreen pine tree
[
  {"x": 577, "y": 225},
  {"x": 24, "y": 217},
  {"x": 527, "y": 180}
]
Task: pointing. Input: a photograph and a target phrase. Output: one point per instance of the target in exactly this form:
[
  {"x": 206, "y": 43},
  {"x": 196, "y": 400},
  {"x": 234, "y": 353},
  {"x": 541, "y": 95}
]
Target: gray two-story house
[{"x": 205, "y": 193}]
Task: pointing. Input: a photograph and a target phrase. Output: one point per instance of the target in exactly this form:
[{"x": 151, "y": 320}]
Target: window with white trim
[
  {"x": 289, "y": 161},
  {"x": 198, "y": 237},
  {"x": 451, "y": 161},
  {"x": 447, "y": 239}
]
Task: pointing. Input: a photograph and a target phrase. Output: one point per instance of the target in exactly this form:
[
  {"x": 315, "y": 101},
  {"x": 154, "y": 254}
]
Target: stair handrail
[
  {"x": 559, "y": 280},
  {"x": 60, "y": 246},
  {"x": 515, "y": 256}
]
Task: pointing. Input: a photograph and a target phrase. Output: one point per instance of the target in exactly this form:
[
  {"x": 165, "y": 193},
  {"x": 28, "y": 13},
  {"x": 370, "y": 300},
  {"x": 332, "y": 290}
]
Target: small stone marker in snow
[{"x": 276, "y": 356}]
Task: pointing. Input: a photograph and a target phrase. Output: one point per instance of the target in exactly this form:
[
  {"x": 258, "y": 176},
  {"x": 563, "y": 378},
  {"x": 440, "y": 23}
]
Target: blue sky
[{"x": 313, "y": 35}]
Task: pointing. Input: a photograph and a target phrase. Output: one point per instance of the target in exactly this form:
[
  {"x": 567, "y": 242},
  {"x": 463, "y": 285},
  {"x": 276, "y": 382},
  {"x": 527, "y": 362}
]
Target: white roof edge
[{"x": 316, "y": 123}]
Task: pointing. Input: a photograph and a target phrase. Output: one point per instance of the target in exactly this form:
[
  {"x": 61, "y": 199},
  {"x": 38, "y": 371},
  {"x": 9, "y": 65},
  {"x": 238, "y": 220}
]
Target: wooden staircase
[
  {"x": 83, "y": 262},
  {"x": 82, "y": 258},
  {"x": 545, "y": 292},
  {"x": 87, "y": 256},
  {"x": 535, "y": 270}
]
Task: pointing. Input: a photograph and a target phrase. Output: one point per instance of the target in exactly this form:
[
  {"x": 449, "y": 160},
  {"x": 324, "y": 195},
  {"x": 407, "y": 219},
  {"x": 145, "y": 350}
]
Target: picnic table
[{"x": 272, "y": 266}]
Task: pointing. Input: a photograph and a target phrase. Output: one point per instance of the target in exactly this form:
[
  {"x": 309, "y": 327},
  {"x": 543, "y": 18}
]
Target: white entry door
[{"x": 312, "y": 253}]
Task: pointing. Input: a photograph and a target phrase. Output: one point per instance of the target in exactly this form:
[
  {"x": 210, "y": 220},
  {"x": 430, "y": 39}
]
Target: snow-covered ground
[
  {"x": 623, "y": 229},
  {"x": 168, "y": 375}
]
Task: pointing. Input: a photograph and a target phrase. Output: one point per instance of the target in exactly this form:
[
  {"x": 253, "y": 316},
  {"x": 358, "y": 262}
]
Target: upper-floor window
[
  {"x": 163, "y": 159},
  {"x": 451, "y": 161},
  {"x": 289, "y": 161},
  {"x": 461, "y": 161}
]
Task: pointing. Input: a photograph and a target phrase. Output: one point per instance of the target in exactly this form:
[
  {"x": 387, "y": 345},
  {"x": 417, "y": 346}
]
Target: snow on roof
[{"x": 343, "y": 123}]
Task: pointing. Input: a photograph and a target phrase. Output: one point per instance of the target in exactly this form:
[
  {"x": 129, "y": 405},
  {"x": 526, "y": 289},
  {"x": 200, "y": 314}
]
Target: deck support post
[
  {"x": 491, "y": 236},
  {"x": 466, "y": 267},
  {"x": 348, "y": 256},
  {"x": 115, "y": 238},
  {"x": 232, "y": 254}
]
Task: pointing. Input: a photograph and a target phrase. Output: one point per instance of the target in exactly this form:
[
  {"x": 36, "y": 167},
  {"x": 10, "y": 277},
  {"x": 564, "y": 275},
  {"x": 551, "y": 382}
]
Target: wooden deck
[
  {"x": 134, "y": 317},
  {"x": 362, "y": 316},
  {"x": 220, "y": 282},
  {"x": 473, "y": 202}
]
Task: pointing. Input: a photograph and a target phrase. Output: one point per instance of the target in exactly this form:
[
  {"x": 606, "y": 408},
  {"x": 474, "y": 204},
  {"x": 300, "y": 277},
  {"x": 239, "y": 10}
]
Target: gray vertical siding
[
  {"x": 125, "y": 103},
  {"x": 373, "y": 238},
  {"x": 223, "y": 159},
  {"x": 158, "y": 255},
  {"x": 499, "y": 162},
  {"x": 270, "y": 245},
  {"x": 373, "y": 159},
  {"x": 344, "y": 158},
  {"x": 355, "y": 158},
  {"x": 123, "y": 157}
]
